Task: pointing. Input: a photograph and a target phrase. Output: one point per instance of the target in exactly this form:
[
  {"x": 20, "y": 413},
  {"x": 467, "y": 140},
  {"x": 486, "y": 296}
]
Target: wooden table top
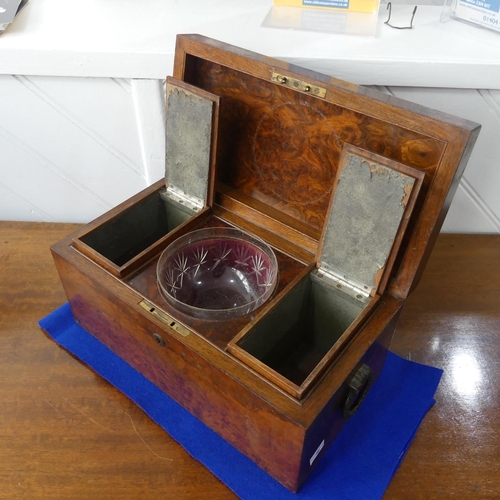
[{"x": 67, "y": 434}]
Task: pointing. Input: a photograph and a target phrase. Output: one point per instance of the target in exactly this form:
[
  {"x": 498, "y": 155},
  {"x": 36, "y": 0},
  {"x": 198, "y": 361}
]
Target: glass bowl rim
[{"x": 212, "y": 233}]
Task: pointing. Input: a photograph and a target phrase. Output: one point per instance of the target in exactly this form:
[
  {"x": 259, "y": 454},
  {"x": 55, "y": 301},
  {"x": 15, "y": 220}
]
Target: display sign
[
  {"x": 366, "y": 6},
  {"x": 482, "y": 12}
]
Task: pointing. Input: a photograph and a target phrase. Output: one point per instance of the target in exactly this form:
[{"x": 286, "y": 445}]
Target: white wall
[
  {"x": 72, "y": 148},
  {"x": 476, "y": 206}
]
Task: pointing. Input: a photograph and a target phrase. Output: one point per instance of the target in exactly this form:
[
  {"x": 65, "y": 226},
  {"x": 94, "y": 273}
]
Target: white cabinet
[{"x": 82, "y": 106}]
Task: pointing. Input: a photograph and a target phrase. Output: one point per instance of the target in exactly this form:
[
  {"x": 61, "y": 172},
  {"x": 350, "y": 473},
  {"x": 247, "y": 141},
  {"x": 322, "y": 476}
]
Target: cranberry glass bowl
[{"x": 217, "y": 273}]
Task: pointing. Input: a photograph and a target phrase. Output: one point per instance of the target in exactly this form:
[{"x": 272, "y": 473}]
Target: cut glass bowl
[{"x": 217, "y": 273}]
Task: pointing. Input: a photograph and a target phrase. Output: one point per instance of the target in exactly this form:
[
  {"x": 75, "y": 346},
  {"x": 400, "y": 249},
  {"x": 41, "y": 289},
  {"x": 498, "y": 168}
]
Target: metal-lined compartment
[
  {"x": 123, "y": 240},
  {"x": 295, "y": 342}
]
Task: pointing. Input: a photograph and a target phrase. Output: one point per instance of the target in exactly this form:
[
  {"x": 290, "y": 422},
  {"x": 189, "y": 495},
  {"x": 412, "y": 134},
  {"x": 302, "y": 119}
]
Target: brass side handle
[{"x": 359, "y": 386}]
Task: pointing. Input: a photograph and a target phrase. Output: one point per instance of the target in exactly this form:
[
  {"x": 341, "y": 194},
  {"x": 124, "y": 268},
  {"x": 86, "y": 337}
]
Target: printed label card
[{"x": 484, "y": 13}]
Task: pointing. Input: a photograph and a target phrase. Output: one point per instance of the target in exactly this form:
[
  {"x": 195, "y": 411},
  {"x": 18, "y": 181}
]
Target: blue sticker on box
[{"x": 334, "y": 4}]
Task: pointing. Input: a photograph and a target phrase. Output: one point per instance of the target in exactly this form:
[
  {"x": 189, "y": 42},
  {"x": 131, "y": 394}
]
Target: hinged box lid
[
  {"x": 189, "y": 144},
  {"x": 281, "y": 132},
  {"x": 372, "y": 203}
]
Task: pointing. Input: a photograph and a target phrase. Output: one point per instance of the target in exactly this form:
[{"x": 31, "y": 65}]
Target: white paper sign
[{"x": 482, "y": 12}]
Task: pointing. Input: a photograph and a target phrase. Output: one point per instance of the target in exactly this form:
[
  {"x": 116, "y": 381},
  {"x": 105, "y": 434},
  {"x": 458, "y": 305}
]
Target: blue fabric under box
[{"x": 359, "y": 464}]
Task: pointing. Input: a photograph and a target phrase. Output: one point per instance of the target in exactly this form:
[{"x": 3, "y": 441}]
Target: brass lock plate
[
  {"x": 165, "y": 318},
  {"x": 296, "y": 84}
]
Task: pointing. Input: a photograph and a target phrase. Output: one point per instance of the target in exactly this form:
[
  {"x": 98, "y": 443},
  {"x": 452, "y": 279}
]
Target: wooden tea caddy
[{"x": 350, "y": 188}]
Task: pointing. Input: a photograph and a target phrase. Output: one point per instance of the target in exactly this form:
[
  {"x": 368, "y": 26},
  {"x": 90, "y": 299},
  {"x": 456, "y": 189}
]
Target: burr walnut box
[{"x": 343, "y": 187}]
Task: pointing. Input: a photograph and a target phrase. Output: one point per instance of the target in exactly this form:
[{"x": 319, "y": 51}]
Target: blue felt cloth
[{"x": 359, "y": 464}]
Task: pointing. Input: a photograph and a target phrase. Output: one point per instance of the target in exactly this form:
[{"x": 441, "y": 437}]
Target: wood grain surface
[
  {"x": 66, "y": 433},
  {"x": 287, "y": 144},
  {"x": 144, "y": 281},
  {"x": 279, "y": 144}
]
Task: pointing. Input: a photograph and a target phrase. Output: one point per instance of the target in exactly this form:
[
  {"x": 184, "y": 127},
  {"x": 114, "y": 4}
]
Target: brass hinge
[
  {"x": 353, "y": 288},
  {"x": 181, "y": 197},
  {"x": 294, "y": 83},
  {"x": 165, "y": 318}
]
